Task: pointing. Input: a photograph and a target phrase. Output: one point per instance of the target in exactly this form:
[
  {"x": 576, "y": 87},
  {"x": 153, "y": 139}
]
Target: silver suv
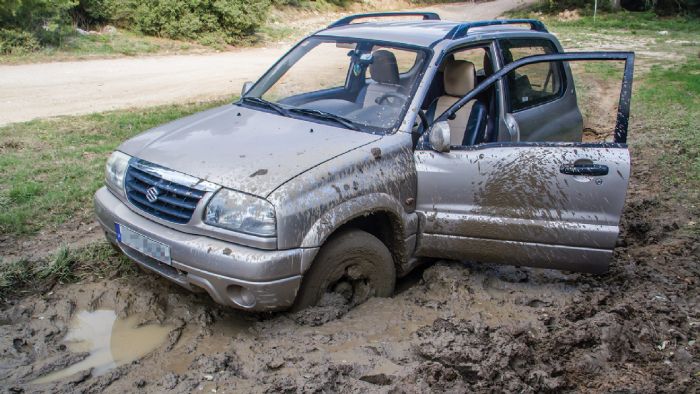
[{"x": 369, "y": 147}]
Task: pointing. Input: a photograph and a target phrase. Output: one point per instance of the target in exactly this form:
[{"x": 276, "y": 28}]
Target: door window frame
[
  {"x": 491, "y": 45},
  {"x": 623, "y": 110}
]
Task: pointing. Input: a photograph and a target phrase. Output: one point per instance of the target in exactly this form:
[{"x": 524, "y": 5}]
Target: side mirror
[
  {"x": 246, "y": 87},
  {"x": 439, "y": 136}
]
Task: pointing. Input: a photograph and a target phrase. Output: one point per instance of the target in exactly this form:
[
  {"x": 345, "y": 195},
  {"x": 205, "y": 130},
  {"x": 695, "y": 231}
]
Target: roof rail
[
  {"x": 463, "y": 29},
  {"x": 427, "y": 16}
]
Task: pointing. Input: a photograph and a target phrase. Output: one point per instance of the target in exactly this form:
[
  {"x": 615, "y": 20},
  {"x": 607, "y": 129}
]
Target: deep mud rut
[{"x": 451, "y": 327}]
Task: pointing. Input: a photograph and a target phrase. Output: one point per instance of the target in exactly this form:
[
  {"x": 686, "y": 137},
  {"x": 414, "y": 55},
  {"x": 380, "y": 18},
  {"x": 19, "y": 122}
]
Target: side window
[
  {"x": 586, "y": 113},
  {"x": 404, "y": 59},
  {"x": 533, "y": 84}
]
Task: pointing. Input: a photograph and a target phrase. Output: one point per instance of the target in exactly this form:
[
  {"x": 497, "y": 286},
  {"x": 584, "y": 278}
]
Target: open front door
[{"x": 553, "y": 203}]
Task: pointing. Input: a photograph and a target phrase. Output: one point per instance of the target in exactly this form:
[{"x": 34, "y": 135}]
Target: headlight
[
  {"x": 115, "y": 170},
  {"x": 241, "y": 212}
]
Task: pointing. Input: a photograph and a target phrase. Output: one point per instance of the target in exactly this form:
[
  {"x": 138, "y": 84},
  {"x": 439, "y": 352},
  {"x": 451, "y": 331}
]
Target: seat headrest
[
  {"x": 384, "y": 68},
  {"x": 459, "y": 77}
]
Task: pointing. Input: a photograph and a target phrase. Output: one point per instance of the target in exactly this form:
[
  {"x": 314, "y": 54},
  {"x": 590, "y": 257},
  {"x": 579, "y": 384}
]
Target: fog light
[{"x": 241, "y": 296}]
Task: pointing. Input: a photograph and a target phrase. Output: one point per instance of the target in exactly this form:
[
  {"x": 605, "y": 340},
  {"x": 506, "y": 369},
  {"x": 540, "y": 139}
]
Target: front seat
[
  {"x": 384, "y": 72},
  {"x": 459, "y": 77}
]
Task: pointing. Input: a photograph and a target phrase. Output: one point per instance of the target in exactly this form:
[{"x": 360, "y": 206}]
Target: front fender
[
  {"x": 380, "y": 176},
  {"x": 346, "y": 211}
]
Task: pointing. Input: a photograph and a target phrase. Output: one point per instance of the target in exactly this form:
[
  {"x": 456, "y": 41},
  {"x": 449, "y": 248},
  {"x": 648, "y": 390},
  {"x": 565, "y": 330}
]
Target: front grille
[{"x": 175, "y": 202}]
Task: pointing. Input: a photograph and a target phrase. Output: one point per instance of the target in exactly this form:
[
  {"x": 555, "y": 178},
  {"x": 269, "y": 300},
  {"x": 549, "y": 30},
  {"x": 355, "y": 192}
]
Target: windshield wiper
[
  {"x": 267, "y": 104},
  {"x": 325, "y": 115}
]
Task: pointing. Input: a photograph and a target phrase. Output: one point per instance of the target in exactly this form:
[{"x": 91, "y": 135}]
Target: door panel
[
  {"x": 557, "y": 120},
  {"x": 518, "y": 193},
  {"x": 545, "y": 204}
]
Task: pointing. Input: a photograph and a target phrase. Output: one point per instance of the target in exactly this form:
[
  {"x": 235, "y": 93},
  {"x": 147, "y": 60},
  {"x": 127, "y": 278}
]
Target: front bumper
[{"x": 230, "y": 273}]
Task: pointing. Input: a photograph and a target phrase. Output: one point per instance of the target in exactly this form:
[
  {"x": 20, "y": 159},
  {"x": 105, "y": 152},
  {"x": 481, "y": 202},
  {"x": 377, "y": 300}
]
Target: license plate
[{"x": 143, "y": 244}]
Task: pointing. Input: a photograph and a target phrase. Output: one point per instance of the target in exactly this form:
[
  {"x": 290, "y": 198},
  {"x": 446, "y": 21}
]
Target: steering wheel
[{"x": 390, "y": 98}]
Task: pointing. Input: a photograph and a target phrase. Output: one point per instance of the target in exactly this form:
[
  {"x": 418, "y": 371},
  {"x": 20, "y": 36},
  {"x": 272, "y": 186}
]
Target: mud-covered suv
[{"x": 370, "y": 146}]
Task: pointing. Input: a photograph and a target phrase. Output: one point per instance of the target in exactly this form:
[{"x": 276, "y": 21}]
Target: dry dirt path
[{"x": 71, "y": 88}]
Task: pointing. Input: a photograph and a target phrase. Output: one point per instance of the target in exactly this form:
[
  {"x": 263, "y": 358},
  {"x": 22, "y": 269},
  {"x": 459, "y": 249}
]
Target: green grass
[
  {"x": 633, "y": 21},
  {"x": 677, "y": 34},
  {"x": 122, "y": 43},
  {"x": 98, "y": 260},
  {"x": 668, "y": 100},
  {"x": 49, "y": 169},
  {"x": 608, "y": 71}
]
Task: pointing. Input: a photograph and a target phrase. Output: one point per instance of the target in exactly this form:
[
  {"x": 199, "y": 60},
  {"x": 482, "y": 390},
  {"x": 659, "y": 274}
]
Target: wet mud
[{"x": 452, "y": 326}]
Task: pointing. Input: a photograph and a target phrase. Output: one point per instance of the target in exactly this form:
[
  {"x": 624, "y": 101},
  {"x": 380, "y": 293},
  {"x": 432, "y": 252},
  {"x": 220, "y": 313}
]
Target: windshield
[{"x": 357, "y": 84}]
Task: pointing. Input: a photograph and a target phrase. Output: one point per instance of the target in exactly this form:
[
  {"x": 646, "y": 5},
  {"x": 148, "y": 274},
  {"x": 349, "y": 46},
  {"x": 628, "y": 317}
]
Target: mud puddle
[{"x": 109, "y": 341}]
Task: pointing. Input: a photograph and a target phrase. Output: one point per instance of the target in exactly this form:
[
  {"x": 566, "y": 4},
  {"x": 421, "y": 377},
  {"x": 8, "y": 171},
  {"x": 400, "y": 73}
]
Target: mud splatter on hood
[{"x": 243, "y": 149}]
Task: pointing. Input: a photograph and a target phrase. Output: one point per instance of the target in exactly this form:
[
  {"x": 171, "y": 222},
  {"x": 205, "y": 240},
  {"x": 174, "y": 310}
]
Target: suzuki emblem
[{"x": 152, "y": 194}]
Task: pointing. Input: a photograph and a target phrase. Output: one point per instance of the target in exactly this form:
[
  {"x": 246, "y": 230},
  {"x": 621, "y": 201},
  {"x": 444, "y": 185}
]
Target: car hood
[{"x": 249, "y": 150}]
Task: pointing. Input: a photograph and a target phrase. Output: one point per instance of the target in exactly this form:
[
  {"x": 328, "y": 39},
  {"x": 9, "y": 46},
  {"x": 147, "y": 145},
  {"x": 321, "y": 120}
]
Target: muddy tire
[{"x": 353, "y": 263}]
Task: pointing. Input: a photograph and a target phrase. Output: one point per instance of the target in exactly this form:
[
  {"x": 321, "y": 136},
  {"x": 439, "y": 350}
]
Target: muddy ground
[{"x": 452, "y": 326}]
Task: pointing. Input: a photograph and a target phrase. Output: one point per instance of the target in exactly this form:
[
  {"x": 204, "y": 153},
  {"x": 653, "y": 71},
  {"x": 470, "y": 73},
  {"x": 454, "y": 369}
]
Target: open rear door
[{"x": 548, "y": 203}]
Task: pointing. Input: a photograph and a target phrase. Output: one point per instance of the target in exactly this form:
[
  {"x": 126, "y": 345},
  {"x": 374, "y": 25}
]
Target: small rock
[
  {"x": 275, "y": 364},
  {"x": 170, "y": 380},
  {"x": 682, "y": 356}
]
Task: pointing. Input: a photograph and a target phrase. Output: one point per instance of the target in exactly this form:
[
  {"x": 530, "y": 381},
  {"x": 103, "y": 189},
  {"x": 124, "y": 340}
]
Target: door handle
[{"x": 584, "y": 169}]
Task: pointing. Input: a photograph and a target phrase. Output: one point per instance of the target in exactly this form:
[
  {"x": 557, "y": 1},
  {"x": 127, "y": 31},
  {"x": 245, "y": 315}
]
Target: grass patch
[
  {"x": 610, "y": 31},
  {"x": 49, "y": 169},
  {"x": 632, "y": 21},
  {"x": 669, "y": 102},
  {"x": 95, "y": 261},
  {"x": 122, "y": 43}
]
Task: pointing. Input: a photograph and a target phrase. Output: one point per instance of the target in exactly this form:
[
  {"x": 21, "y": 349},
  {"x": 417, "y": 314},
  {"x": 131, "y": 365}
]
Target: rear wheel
[{"x": 354, "y": 264}]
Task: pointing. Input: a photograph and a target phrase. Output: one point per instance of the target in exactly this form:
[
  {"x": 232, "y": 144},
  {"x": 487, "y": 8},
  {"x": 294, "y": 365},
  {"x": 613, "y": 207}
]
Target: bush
[
  {"x": 192, "y": 19},
  {"x": 45, "y": 20},
  {"x": 29, "y": 24},
  {"x": 17, "y": 42},
  {"x": 95, "y": 12}
]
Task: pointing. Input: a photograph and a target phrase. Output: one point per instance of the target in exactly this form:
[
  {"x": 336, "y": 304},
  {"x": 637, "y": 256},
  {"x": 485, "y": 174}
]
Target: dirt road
[{"x": 71, "y": 88}]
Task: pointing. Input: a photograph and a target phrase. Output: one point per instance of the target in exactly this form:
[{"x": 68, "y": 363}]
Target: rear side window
[{"x": 533, "y": 84}]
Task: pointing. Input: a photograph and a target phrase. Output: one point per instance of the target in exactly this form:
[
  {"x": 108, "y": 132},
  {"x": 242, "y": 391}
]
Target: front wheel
[{"x": 354, "y": 264}]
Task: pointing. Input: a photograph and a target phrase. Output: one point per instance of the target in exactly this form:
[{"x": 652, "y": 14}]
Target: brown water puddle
[{"x": 110, "y": 341}]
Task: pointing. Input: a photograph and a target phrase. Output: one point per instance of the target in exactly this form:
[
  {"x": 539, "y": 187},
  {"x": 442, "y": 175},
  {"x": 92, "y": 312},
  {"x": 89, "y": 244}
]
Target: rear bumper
[{"x": 233, "y": 275}]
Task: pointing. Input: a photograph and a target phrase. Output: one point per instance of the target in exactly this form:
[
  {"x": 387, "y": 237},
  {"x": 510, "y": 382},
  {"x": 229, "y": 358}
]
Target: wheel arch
[{"x": 378, "y": 214}]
